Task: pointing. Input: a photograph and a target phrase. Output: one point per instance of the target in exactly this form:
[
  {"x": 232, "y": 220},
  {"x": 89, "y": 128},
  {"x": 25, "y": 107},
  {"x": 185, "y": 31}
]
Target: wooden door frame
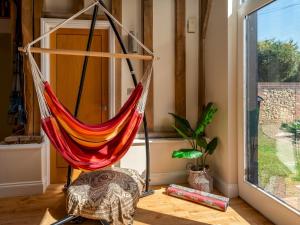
[{"x": 46, "y": 25}]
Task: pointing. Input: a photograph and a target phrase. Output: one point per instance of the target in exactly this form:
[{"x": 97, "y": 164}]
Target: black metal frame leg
[
  {"x": 130, "y": 66},
  {"x": 103, "y": 222},
  {"x": 65, "y": 220},
  {"x": 82, "y": 79}
]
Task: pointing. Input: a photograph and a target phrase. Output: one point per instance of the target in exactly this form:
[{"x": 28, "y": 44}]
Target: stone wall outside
[{"x": 281, "y": 102}]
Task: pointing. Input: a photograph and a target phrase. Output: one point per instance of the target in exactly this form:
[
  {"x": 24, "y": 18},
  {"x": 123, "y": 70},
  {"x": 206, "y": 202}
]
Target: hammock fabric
[
  {"x": 89, "y": 147},
  {"x": 92, "y": 136},
  {"x": 92, "y": 147}
]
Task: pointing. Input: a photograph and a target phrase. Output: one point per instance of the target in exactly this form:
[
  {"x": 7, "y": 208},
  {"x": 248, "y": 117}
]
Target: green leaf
[
  {"x": 211, "y": 146},
  {"x": 180, "y": 132},
  {"x": 206, "y": 118},
  {"x": 187, "y": 154},
  {"x": 183, "y": 124},
  {"x": 201, "y": 141},
  {"x": 293, "y": 127}
]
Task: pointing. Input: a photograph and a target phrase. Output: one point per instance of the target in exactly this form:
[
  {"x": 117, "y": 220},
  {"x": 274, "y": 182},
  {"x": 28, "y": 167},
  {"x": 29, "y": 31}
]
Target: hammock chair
[{"x": 85, "y": 146}]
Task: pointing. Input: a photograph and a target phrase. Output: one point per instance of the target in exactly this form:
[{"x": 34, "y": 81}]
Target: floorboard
[{"x": 157, "y": 209}]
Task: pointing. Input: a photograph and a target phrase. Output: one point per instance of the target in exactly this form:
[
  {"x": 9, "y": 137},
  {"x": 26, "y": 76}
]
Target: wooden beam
[
  {"x": 205, "y": 13},
  {"x": 180, "y": 57},
  {"x": 204, "y": 10},
  {"x": 116, "y": 11},
  {"x": 87, "y": 53},
  {"x": 77, "y": 5},
  {"x": 37, "y": 15},
  {"x": 31, "y": 14},
  {"x": 27, "y": 29},
  {"x": 147, "y": 25},
  {"x": 66, "y": 15}
]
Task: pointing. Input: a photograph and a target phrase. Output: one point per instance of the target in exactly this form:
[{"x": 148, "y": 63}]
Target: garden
[{"x": 279, "y": 124}]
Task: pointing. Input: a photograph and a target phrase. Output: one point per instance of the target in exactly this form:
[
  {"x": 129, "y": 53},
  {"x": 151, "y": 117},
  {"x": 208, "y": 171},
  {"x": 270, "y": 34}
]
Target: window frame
[{"x": 273, "y": 208}]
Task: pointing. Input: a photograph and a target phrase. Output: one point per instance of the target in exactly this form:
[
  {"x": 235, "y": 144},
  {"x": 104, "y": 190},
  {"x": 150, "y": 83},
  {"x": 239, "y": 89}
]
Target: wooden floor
[{"x": 157, "y": 209}]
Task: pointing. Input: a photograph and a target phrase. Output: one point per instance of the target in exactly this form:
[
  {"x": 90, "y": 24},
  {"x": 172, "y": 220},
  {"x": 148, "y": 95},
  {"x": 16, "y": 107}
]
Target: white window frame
[{"x": 274, "y": 209}]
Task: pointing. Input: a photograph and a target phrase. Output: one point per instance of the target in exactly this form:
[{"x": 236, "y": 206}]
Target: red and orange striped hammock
[
  {"x": 83, "y": 146},
  {"x": 92, "y": 147},
  {"x": 89, "y": 147}
]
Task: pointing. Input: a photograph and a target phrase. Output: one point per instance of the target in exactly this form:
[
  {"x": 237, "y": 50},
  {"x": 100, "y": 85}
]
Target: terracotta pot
[{"x": 201, "y": 180}]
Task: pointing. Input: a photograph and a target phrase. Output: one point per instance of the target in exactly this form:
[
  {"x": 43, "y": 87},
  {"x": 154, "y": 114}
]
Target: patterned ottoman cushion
[{"x": 110, "y": 195}]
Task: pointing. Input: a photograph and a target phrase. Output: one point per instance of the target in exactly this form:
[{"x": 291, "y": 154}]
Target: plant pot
[{"x": 201, "y": 180}]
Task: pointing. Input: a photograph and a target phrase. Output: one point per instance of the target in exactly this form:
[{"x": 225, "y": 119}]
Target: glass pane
[{"x": 273, "y": 100}]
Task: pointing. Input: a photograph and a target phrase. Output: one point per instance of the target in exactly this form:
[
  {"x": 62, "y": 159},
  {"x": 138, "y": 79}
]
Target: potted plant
[{"x": 201, "y": 147}]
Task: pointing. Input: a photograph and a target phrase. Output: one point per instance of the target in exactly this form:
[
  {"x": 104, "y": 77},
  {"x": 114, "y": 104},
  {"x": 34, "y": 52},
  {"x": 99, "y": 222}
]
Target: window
[
  {"x": 273, "y": 100},
  {"x": 269, "y": 107}
]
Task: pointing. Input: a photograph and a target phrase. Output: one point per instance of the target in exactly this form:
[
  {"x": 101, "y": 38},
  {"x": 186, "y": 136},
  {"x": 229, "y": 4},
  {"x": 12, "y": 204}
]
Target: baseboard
[
  {"x": 21, "y": 188},
  {"x": 177, "y": 177},
  {"x": 229, "y": 190}
]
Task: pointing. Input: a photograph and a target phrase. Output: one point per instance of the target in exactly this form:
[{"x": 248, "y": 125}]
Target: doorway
[{"x": 63, "y": 73}]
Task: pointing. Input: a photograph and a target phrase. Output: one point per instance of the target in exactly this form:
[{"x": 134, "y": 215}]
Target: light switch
[{"x": 192, "y": 25}]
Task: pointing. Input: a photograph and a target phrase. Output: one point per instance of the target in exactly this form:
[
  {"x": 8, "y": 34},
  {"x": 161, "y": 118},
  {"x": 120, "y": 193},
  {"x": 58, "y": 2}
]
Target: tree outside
[{"x": 278, "y": 61}]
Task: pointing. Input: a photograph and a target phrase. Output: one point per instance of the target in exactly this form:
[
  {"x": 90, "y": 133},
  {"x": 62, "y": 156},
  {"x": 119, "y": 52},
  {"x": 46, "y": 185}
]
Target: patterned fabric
[{"x": 110, "y": 195}]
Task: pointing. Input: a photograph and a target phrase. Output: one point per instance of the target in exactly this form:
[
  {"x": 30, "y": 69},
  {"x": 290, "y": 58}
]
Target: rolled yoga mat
[{"x": 200, "y": 197}]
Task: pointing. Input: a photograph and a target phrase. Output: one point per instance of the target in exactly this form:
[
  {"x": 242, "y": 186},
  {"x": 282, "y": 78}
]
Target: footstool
[{"x": 110, "y": 195}]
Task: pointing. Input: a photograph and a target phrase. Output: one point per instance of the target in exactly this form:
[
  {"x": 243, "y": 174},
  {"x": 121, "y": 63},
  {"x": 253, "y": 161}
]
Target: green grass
[
  {"x": 296, "y": 177},
  {"x": 268, "y": 163}
]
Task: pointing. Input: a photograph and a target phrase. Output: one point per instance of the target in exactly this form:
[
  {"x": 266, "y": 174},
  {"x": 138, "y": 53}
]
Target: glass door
[{"x": 269, "y": 107}]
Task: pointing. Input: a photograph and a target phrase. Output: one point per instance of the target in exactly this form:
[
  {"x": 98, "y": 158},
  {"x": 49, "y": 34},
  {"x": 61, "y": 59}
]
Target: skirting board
[
  {"x": 229, "y": 190},
  {"x": 21, "y": 189}
]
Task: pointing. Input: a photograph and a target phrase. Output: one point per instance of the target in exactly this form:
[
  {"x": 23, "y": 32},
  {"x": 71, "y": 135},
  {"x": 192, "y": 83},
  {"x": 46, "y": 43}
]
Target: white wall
[
  {"x": 164, "y": 69},
  {"x": 192, "y": 65},
  {"x": 22, "y": 170},
  {"x": 220, "y": 82},
  {"x": 131, "y": 19},
  {"x": 164, "y": 169}
]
